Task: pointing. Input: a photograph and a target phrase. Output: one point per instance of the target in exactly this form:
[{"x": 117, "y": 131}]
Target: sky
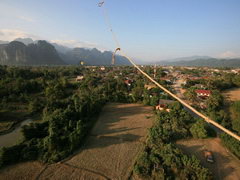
[{"x": 148, "y": 30}]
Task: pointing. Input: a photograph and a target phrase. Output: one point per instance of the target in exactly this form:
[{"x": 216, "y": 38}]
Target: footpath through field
[{"x": 109, "y": 152}]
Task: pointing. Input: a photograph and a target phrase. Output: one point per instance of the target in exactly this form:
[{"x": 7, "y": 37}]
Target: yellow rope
[{"x": 108, "y": 23}]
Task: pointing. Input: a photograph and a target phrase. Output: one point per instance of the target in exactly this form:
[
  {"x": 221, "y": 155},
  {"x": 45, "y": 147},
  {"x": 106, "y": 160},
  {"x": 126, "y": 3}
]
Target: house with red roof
[
  {"x": 203, "y": 93},
  {"x": 128, "y": 82}
]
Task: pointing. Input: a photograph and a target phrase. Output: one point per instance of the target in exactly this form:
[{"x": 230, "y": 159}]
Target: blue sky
[{"x": 147, "y": 30}]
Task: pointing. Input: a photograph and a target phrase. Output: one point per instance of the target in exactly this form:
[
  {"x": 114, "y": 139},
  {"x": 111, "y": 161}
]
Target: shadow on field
[
  {"x": 107, "y": 141},
  {"x": 117, "y": 124}
]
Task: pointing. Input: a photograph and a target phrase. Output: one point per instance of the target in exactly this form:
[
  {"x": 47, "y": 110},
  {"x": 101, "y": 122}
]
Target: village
[{"x": 193, "y": 84}]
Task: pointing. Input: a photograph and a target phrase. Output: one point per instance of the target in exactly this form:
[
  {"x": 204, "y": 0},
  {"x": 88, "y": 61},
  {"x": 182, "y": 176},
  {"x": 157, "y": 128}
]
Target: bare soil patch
[
  {"x": 233, "y": 94},
  {"x": 226, "y": 166},
  {"x": 109, "y": 152}
]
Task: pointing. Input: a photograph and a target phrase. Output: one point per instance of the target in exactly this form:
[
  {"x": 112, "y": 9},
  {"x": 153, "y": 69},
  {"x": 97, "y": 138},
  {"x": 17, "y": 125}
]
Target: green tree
[
  {"x": 198, "y": 129},
  {"x": 215, "y": 101},
  {"x": 137, "y": 93},
  {"x": 235, "y": 111},
  {"x": 191, "y": 94}
]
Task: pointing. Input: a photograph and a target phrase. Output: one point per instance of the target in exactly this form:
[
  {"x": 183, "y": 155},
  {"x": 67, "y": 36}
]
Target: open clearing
[
  {"x": 226, "y": 166},
  {"x": 109, "y": 152},
  {"x": 233, "y": 94}
]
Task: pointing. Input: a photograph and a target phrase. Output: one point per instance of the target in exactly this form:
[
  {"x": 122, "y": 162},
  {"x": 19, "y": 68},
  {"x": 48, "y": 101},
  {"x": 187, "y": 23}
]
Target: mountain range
[
  {"x": 202, "y": 61},
  {"x": 40, "y": 53},
  {"x": 25, "y": 51},
  {"x": 190, "y": 58}
]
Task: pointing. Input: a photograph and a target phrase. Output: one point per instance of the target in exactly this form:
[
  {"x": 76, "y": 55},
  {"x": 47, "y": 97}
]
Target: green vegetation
[
  {"x": 235, "y": 112},
  {"x": 217, "y": 108},
  {"x": 190, "y": 94},
  {"x": 161, "y": 159},
  {"x": 224, "y": 112},
  {"x": 215, "y": 102},
  {"x": 232, "y": 144},
  {"x": 198, "y": 129},
  {"x": 69, "y": 109},
  {"x": 68, "y": 112},
  {"x": 220, "y": 81}
]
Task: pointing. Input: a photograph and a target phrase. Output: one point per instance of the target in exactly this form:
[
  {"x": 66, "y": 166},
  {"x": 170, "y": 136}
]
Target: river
[{"x": 14, "y": 136}]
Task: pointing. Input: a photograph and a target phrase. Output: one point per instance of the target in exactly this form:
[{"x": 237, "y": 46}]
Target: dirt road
[
  {"x": 109, "y": 151},
  {"x": 226, "y": 166}
]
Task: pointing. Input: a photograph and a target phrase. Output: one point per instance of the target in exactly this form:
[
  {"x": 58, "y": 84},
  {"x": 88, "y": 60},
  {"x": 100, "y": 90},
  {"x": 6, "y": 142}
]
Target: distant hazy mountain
[
  {"x": 191, "y": 58},
  {"x": 4, "y": 42},
  {"x": 25, "y": 41},
  {"x": 208, "y": 62},
  {"x": 61, "y": 48},
  {"x": 17, "y": 53},
  {"x": 92, "y": 57}
]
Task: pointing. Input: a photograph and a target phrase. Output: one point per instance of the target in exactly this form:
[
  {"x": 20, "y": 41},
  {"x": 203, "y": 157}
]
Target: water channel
[{"x": 14, "y": 136}]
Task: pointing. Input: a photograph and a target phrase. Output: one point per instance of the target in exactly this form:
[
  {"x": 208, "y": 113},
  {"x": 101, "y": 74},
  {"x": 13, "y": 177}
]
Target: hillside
[
  {"x": 211, "y": 62},
  {"x": 92, "y": 57}
]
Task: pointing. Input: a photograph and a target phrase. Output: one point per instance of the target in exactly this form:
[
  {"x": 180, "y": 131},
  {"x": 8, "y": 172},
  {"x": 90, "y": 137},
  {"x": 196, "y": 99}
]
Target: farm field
[
  {"x": 26, "y": 170},
  {"x": 226, "y": 166},
  {"x": 109, "y": 151},
  {"x": 233, "y": 94}
]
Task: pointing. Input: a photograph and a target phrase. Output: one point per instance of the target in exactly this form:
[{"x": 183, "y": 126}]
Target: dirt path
[
  {"x": 179, "y": 90},
  {"x": 226, "y": 166},
  {"x": 109, "y": 151}
]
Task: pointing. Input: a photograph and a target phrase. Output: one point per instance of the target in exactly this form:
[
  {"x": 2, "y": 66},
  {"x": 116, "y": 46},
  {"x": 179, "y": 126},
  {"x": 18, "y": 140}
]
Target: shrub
[
  {"x": 198, "y": 129},
  {"x": 232, "y": 144}
]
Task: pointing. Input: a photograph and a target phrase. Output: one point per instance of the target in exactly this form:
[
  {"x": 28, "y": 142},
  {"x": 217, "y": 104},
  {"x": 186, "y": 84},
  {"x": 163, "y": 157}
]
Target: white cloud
[
  {"x": 25, "y": 18},
  {"x": 228, "y": 54},
  {"x": 11, "y": 34}
]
